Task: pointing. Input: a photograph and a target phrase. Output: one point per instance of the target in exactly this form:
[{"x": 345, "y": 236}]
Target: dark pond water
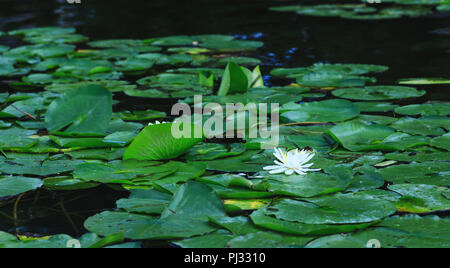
[{"x": 408, "y": 46}]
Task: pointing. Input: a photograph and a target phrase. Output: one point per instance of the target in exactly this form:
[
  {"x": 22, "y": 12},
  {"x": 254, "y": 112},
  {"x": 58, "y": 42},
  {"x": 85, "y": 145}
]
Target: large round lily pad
[
  {"x": 378, "y": 93},
  {"x": 157, "y": 142},
  {"x": 337, "y": 209},
  {"x": 420, "y": 198},
  {"x": 10, "y": 186},
  {"x": 86, "y": 110},
  {"x": 321, "y": 111}
]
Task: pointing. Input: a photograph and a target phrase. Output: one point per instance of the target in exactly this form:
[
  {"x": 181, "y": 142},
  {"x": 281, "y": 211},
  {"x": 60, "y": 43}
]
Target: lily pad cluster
[
  {"x": 364, "y": 10},
  {"x": 382, "y": 151}
]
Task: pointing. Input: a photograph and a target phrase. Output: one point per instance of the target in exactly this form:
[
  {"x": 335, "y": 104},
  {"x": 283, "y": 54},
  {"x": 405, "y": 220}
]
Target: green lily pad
[
  {"x": 419, "y": 156},
  {"x": 234, "y": 80},
  {"x": 190, "y": 198},
  {"x": 87, "y": 240},
  {"x": 430, "y": 125},
  {"x": 423, "y": 173},
  {"x": 107, "y": 154},
  {"x": 86, "y": 110},
  {"x": 116, "y": 43},
  {"x": 318, "y": 142},
  {"x": 43, "y": 31},
  {"x": 239, "y": 193},
  {"x": 11, "y": 186},
  {"x": 365, "y": 182},
  {"x": 57, "y": 39},
  {"x": 424, "y": 81},
  {"x": 321, "y": 111},
  {"x": 420, "y": 198},
  {"x": 337, "y": 209},
  {"x": 139, "y": 115},
  {"x": 237, "y": 225},
  {"x": 227, "y": 180},
  {"x": 43, "y": 50},
  {"x": 136, "y": 226},
  {"x": 3, "y": 48},
  {"x": 268, "y": 240},
  {"x": 195, "y": 201},
  {"x": 13, "y": 138},
  {"x": 123, "y": 172},
  {"x": 145, "y": 201},
  {"x": 113, "y": 86},
  {"x": 239, "y": 163},
  {"x": 374, "y": 119},
  {"x": 375, "y": 106},
  {"x": 134, "y": 65},
  {"x": 156, "y": 142},
  {"x": 206, "y": 241},
  {"x": 378, "y": 93},
  {"x": 435, "y": 109},
  {"x": 211, "y": 151},
  {"x": 442, "y": 142},
  {"x": 357, "y": 11},
  {"x": 410, "y": 231},
  {"x": 343, "y": 69},
  {"x": 360, "y": 137},
  {"x": 310, "y": 185},
  {"x": 444, "y": 7},
  {"x": 67, "y": 184},
  {"x": 34, "y": 167},
  {"x": 297, "y": 228}
]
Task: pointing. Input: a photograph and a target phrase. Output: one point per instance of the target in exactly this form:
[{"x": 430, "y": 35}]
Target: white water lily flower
[
  {"x": 157, "y": 123},
  {"x": 292, "y": 161}
]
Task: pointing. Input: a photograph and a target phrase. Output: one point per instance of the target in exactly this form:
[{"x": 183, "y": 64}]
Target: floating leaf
[
  {"x": 337, "y": 209},
  {"x": 375, "y": 106},
  {"x": 297, "y": 228},
  {"x": 11, "y": 186},
  {"x": 437, "y": 109},
  {"x": 360, "y": 137},
  {"x": 156, "y": 142},
  {"x": 442, "y": 142},
  {"x": 424, "y": 81},
  {"x": 409, "y": 231},
  {"x": 321, "y": 111},
  {"x": 312, "y": 184},
  {"x": 378, "y": 93},
  {"x": 430, "y": 125},
  {"x": 86, "y": 110},
  {"x": 206, "y": 241},
  {"x": 420, "y": 198},
  {"x": 67, "y": 183},
  {"x": 39, "y": 168},
  {"x": 234, "y": 80},
  {"x": 268, "y": 240}
]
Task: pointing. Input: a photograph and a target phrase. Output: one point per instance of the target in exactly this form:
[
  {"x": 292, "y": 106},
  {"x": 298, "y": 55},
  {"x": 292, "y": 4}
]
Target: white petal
[
  {"x": 279, "y": 154},
  {"x": 271, "y": 167},
  {"x": 300, "y": 172},
  {"x": 289, "y": 172},
  {"x": 275, "y": 171},
  {"x": 309, "y": 157},
  {"x": 302, "y": 156},
  {"x": 307, "y": 165}
]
